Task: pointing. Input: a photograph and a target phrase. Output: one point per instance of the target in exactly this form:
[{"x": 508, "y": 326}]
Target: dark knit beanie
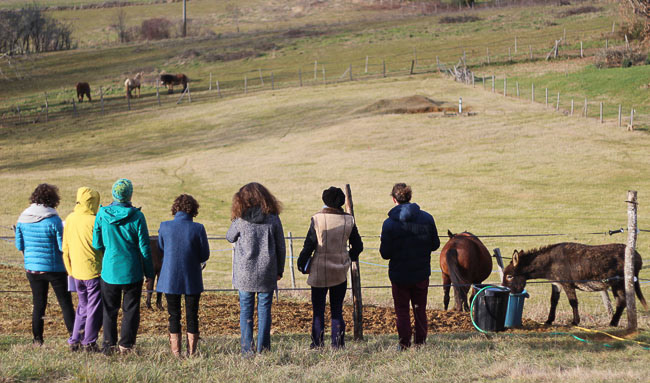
[{"x": 333, "y": 197}]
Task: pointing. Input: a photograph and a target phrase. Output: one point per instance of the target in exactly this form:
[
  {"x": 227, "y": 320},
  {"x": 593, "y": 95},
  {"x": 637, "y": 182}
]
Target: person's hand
[{"x": 279, "y": 277}]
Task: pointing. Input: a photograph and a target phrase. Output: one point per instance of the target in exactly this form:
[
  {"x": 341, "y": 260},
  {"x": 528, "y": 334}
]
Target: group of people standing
[{"x": 106, "y": 250}]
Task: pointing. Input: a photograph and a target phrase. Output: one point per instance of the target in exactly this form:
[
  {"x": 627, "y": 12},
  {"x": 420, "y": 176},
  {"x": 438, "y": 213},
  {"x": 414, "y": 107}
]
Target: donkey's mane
[{"x": 537, "y": 251}]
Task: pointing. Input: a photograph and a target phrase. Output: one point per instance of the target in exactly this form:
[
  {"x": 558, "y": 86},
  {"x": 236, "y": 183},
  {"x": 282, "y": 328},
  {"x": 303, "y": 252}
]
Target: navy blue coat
[
  {"x": 408, "y": 237},
  {"x": 184, "y": 246}
]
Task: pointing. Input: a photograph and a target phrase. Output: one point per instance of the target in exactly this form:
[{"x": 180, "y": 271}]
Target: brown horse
[
  {"x": 133, "y": 83},
  {"x": 464, "y": 260},
  {"x": 156, "y": 258},
  {"x": 83, "y": 89},
  {"x": 169, "y": 80}
]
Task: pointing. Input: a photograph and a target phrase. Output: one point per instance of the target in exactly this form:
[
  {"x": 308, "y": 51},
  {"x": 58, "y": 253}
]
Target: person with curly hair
[
  {"x": 184, "y": 246},
  {"x": 258, "y": 260},
  {"x": 121, "y": 232},
  {"x": 408, "y": 236},
  {"x": 329, "y": 233},
  {"x": 39, "y": 236}
]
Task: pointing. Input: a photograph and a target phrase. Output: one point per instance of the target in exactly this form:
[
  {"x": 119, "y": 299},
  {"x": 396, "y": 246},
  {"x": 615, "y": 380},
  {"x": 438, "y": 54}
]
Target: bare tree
[
  {"x": 119, "y": 24},
  {"x": 235, "y": 12},
  {"x": 639, "y": 9}
]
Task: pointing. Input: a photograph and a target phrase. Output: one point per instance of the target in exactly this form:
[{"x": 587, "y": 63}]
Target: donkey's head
[{"x": 512, "y": 276}]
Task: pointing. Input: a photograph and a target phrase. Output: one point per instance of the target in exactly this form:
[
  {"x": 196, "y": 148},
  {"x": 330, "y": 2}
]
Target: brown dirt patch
[
  {"x": 407, "y": 105},
  {"x": 219, "y": 314}
]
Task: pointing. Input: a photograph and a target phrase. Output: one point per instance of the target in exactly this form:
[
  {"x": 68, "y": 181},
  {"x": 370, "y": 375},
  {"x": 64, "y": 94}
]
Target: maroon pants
[{"x": 404, "y": 297}]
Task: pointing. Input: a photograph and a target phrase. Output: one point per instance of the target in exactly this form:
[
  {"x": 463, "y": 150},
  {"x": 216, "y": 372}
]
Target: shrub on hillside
[
  {"x": 459, "y": 19},
  {"x": 579, "y": 11},
  {"x": 156, "y": 29},
  {"x": 619, "y": 57}
]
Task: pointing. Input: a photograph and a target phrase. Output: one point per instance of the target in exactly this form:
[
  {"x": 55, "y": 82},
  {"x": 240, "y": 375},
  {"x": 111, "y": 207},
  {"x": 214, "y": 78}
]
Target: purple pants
[
  {"x": 405, "y": 296},
  {"x": 88, "y": 320}
]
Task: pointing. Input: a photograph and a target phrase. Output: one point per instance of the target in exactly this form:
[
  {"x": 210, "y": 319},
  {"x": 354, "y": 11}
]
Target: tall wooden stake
[
  {"x": 101, "y": 98},
  {"x": 158, "y": 91},
  {"x": 292, "y": 262},
  {"x": 630, "y": 299},
  {"x": 47, "y": 109},
  {"x": 357, "y": 303},
  {"x": 184, "y": 18}
]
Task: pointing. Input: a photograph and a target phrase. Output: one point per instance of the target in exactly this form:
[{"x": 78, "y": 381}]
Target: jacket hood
[
  {"x": 119, "y": 211},
  {"x": 87, "y": 201},
  {"x": 36, "y": 213},
  {"x": 406, "y": 212},
  {"x": 254, "y": 214}
]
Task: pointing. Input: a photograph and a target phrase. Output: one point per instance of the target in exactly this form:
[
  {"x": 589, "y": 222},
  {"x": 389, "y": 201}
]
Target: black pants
[
  {"x": 111, "y": 301},
  {"x": 39, "y": 284},
  {"x": 191, "y": 312},
  {"x": 318, "y": 295}
]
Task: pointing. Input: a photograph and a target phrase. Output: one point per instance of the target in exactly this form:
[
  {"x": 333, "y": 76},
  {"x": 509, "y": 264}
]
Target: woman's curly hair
[
  {"x": 45, "y": 194},
  {"x": 187, "y": 204},
  {"x": 401, "y": 192},
  {"x": 254, "y": 194}
]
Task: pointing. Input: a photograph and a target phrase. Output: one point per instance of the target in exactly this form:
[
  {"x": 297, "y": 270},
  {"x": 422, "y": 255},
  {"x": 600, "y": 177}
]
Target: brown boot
[
  {"x": 192, "y": 343},
  {"x": 175, "y": 344}
]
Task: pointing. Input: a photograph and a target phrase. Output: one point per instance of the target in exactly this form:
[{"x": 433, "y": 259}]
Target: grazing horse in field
[
  {"x": 133, "y": 83},
  {"x": 574, "y": 266},
  {"x": 156, "y": 258},
  {"x": 464, "y": 260},
  {"x": 169, "y": 80},
  {"x": 83, "y": 89}
]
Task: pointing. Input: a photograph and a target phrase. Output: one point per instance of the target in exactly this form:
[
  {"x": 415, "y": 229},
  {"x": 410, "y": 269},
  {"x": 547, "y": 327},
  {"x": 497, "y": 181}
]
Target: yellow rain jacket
[{"x": 81, "y": 260}]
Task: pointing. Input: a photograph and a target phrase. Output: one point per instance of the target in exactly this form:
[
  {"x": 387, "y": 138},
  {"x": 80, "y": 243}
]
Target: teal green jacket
[{"x": 121, "y": 231}]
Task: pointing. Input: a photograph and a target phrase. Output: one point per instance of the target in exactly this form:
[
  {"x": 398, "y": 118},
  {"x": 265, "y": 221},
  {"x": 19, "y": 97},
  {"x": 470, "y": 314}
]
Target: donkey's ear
[
  {"x": 515, "y": 258},
  {"x": 450, "y": 234}
]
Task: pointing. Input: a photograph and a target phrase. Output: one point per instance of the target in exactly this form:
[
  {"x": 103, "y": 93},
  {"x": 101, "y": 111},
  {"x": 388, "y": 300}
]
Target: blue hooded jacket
[{"x": 408, "y": 237}]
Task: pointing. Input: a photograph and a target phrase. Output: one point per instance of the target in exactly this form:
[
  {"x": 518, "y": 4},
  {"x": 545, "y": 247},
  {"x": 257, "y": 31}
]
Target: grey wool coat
[{"x": 259, "y": 251}]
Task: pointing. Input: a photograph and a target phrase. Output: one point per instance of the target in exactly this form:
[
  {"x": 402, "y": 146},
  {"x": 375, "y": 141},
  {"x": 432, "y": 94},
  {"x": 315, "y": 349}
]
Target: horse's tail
[
  {"x": 639, "y": 294},
  {"x": 459, "y": 282}
]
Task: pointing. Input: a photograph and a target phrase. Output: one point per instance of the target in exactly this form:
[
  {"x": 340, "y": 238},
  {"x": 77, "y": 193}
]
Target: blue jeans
[{"x": 247, "y": 307}]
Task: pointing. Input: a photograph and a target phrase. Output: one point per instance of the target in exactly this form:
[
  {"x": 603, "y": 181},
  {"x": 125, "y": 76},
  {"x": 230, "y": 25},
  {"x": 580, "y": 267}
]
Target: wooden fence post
[
  {"x": 509, "y": 54},
  {"x": 47, "y": 108},
  {"x": 517, "y": 82},
  {"x": 530, "y": 49},
  {"x": 572, "y": 107},
  {"x": 350, "y": 71},
  {"x": 606, "y": 43},
  {"x": 619, "y": 115},
  {"x": 557, "y": 104},
  {"x": 438, "y": 63},
  {"x": 261, "y": 77},
  {"x": 245, "y": 84},
  {"x": 210, "y": 85},
  {"x": 218, "y": 89},
  {"x": 488, "y": 55},
  {"x": 74, "y": 107},
  {"x": 493, "y": 81},
  {"x": 189, "y": 94},
  {"x": 630, "y": 299},
  {"x": 384, "y": 65},
  {"x": 272, "y": 82},
  {"x": 128, "y": 101},
  {"x": 505, "y": 87},
  {"x": 300, "y": 76},
  {"x": 585, "y": 111},
  {"x": 315, "y": 69},
  {"x": 631, "y": 119},
  {"x": 532, "y": 93},
  {"x": 515, "y": 44},
  {"x": 366, "y": 71},
  {"x": 324, "y": 78},
  {"x": 497, "y": 255},
  {"x": 293, "y": 273},
  {"x": 412, "y": 65},
  {"x": 546, "y": 97},
  {"x": 357, "y": 303},
  {"x": 601, "y": 112},
  {"x": 581, "y": 55}
]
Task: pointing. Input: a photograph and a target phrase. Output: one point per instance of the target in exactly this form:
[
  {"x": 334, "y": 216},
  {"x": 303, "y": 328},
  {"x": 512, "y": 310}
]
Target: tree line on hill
[{"x": 29, "y": 30}]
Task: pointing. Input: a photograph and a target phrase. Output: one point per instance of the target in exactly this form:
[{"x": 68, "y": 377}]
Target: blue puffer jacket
[
  {"x": 40, "y": 242},
  {"x": 408, "y": 237}
]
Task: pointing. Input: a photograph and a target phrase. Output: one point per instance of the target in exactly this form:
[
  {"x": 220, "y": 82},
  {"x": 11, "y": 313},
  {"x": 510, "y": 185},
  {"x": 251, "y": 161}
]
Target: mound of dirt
[{"x": 406, "y": 105}]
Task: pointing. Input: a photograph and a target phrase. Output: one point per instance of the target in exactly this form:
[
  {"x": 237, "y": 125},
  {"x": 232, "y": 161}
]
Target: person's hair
[
  {"x": 254, "y": 194},
  {"x": 45, "y": 194},
  {"x": 401, "y": 192},
  {"x": 187, "y": 204}
]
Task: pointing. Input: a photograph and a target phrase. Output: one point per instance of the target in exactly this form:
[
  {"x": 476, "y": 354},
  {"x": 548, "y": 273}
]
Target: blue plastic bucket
[{"x": 515, "y": 309}]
